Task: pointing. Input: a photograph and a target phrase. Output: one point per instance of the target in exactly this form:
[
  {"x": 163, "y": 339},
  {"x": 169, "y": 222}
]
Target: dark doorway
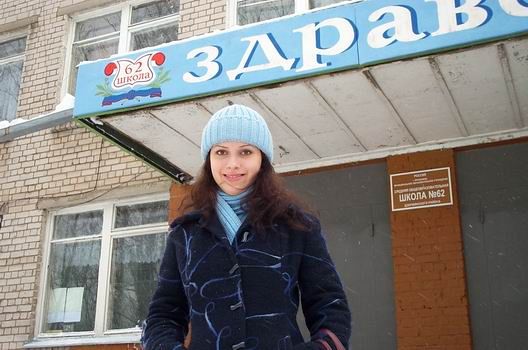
[
  {"x": 493, "y": 187},
  {"x": 354, "y": 210}
]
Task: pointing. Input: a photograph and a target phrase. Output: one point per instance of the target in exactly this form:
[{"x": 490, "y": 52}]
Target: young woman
[{"x": 237, "y": 267}]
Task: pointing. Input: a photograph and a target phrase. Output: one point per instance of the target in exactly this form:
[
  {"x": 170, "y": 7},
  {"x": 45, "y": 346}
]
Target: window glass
[
  {"x": 94, "y": 27},
  {"x": 12, "y": 48},
  {"x": 153, "y": 10},
  {"x": 133, "y": 279},
  {"x": 10, "y": 74},
  {"x": 78, "y": 225},
  {"x": 141, "y": 214},
  {"x": 251, "y": 11},
  {"x": 72, "y": 287},
  {"x": 153, "y": 37},
  {"x": 89, "y": 52},
  {"x": 11, "y": 64},
  {"x": 321, "y": 3},
  {"x": 83, "y": 245},
  {"x": 94, "y": 51},
  {"x": 102, "y": 36}
]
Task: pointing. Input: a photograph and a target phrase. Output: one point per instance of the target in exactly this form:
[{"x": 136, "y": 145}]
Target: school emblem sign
[
  {"x": 143, "y": 77},
  {"x": 346, "y": 36}
]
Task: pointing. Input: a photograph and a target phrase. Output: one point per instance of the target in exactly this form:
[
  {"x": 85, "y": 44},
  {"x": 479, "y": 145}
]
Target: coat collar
[{"x": 213, "y": 225}]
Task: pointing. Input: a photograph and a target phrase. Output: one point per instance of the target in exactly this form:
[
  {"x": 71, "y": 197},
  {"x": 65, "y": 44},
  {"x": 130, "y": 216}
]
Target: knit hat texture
[{"x": 237, "y": 123}]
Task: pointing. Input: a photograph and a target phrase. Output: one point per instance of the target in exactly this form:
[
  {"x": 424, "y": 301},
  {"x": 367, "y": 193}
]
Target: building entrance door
[
  {"x": 493, "y": 188},
  {"x": 354, "y": 211}
]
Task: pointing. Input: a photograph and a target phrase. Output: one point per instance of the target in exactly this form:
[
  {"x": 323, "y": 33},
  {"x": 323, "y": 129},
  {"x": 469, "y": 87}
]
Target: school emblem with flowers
[{"x": 128, "y": 80}]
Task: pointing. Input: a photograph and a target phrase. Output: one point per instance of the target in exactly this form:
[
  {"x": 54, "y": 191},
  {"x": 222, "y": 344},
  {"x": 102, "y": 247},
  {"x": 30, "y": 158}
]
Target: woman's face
[{"x": 235, "y": 166}]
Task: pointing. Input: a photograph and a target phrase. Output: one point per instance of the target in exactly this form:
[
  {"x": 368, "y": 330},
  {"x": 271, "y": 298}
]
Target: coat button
[
  {"x": 245, "y": 236},
  {"x": 233, "y": 269},
  {"x": 240, "y": 345},
  {"x": 236, "y": 306}
]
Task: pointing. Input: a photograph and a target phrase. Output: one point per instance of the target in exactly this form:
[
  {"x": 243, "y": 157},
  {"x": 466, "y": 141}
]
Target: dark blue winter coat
[{"x": 245, "y": 295}]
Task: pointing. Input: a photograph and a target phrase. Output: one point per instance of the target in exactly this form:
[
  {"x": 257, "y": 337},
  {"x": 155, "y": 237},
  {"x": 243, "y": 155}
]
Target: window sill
[{"x": 83, "y": 340}]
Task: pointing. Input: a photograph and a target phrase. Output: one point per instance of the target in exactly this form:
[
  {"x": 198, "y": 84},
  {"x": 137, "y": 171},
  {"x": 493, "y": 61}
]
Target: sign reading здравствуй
[{"x": 330, "y": 39}]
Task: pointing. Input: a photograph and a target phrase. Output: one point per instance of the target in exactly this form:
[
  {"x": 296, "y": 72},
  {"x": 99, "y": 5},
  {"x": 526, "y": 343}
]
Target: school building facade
[{"x": 404, "y": 124}]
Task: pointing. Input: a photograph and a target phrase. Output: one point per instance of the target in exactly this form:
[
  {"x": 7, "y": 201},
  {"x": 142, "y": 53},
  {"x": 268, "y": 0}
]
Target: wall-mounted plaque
[{"x": 421, "y": 189}]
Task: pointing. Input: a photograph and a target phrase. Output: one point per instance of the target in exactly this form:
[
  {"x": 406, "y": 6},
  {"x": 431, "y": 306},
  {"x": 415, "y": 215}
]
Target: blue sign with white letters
[{"x": 343, "y": 37}]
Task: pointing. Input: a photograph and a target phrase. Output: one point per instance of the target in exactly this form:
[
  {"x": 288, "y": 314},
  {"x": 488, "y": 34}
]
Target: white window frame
[
  {"x": 19, "y": 57},
  {"x": 301, "y": 6},
  {"x": 107, "y": 236},
  {"x": 125, "y": 31}
]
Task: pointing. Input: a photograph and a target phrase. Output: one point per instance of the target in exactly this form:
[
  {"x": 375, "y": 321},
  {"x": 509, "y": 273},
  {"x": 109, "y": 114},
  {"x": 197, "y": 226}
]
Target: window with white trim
[
  {"x": 11, "y": 63},
  {"x": 125, "y": 27},
  {"x": 252, "y": 11},
  {"x": 102, "y": 267}
]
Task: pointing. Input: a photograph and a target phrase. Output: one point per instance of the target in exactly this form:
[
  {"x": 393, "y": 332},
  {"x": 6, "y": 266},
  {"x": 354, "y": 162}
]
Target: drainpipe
[{"x": 36, "y": 124}]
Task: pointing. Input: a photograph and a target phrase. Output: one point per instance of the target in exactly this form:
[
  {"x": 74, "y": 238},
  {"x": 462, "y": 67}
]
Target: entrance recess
[
  {"x": 353, "y": 207},
  {"x": 493, "y": 185}
]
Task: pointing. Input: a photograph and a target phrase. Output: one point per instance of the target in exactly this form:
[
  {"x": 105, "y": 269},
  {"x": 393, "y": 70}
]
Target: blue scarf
[{"x": 231, "y": 212}]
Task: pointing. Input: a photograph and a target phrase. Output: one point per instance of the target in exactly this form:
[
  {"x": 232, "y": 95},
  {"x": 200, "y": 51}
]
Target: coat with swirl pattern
[{"x": 245, "y": 295}]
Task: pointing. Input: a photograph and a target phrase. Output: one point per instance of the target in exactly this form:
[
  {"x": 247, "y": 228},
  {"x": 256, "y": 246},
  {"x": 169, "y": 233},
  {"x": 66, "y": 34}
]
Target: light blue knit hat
[{"x": 237, "y": 123}]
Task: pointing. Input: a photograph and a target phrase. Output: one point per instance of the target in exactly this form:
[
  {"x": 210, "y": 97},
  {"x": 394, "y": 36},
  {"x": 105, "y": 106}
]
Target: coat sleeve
[
  {"x": 167, "y": 322},
  {"x": 323, "y": 299}
]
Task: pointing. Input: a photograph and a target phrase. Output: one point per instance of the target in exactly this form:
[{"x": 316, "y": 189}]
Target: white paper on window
[
  {"x": 73, "y": 304},
  {"x": 56, "y": 305},
  {"x": 65, "y": 305}
]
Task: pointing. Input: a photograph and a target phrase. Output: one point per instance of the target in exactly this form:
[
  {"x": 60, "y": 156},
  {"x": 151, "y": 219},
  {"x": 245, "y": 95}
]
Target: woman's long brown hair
[{"x": 269, "y": 202}]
